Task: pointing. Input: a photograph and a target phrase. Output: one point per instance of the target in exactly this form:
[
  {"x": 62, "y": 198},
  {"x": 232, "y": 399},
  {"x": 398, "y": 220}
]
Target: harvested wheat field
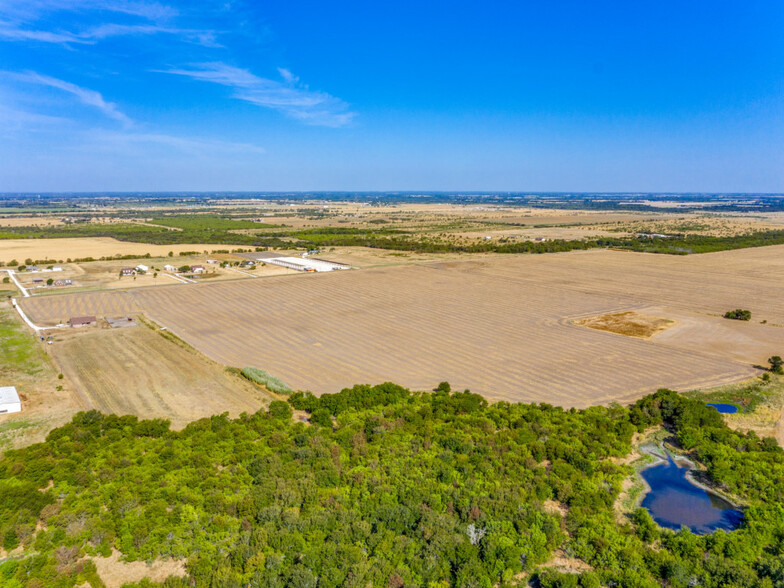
[
  {"x": 629, "y": 323},
  {"x": 502, "y": 326},
  {"x": 139, "y": 371},
  {"x": 59, "y": 308},
  {"x": 81, "y": 247}
]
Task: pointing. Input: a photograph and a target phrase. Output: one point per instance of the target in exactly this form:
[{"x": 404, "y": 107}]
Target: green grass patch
[
  {"x": 269, "y": 381},
  {"x": 20, "y": 350},
  {"x": 747, "y": 396},
  {"x": 8, "y": 430}
]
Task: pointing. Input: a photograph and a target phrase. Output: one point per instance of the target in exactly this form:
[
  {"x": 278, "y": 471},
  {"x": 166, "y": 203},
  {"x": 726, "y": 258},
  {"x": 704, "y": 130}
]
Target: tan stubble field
[{"x": 503, "y": 326}]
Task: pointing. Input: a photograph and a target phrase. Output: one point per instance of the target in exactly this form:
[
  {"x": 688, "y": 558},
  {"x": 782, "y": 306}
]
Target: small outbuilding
[
  {"x": 9, "y": 400},
  {"x": 83, "y": 321},
  {"x": 170, "y": 268},
  {"x": 142, "y": 268}
]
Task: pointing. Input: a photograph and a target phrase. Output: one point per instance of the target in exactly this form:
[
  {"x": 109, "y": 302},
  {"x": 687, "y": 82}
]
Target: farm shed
[
  {"x": 82, "y": 321},
  {"x": 169, "y": 268},
  {"x": 120, "y": 323},
  {"x": 310, "y": 264},
  {"x": 142, "y": 268},
  {"x": 9, "y": 400}
]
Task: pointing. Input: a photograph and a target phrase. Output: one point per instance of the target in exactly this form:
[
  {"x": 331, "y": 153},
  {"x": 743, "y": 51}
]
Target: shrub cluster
[
  {"x": 269, "y": 381},
  {"x": 738, "y": 314}
]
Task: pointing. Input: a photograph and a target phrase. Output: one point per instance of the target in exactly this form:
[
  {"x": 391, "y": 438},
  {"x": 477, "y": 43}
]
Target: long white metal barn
[{"x": 305, "y": 264}]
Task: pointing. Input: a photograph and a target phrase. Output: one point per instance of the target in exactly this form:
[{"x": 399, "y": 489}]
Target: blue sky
[{"x": 429, "y": 95}]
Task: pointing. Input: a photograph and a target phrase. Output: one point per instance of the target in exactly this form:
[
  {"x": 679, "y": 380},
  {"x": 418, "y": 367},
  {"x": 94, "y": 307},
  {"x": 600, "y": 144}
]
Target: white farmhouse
[{"x": 9, "y": 400}]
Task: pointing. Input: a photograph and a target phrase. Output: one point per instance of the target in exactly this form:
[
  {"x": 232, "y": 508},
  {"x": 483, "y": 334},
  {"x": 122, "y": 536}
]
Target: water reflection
[{"x": 674, "y": 501}]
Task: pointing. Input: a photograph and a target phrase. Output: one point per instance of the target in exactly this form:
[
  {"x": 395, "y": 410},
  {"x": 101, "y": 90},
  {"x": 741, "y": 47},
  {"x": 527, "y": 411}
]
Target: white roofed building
[
  {"x": 308, "y": 264},
  {"x": 9, "y": 400}
]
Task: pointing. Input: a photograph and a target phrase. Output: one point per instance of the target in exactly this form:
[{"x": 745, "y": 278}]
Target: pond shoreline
[{"x": 648, "y": 449}]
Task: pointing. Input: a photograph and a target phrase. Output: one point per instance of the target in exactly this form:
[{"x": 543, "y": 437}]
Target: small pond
[
  {"x": 674, "y": 501},
  {"x": 723, "y": 408}
]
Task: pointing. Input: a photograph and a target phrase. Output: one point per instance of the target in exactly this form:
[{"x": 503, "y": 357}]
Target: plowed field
[{"x": 502, "y": 326}]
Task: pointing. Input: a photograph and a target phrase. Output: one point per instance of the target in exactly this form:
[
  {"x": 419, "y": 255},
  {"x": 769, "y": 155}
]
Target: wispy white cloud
[
  {"x": 13, "y": 33},
  {"x": 204, "y": 37},
  {"x": 84, "y": 95},
  {"x": 13, "y": 119},
  {"x": 24, "y": 21},
  {"x": 288, "y": 76},
  {"x": 192, "y": 145},
  {"x": 149, "y": 10},
  {"x": 27, "y": 10},
  {"x": 104, "y": 31},
  {"x": 287, "y": 96}
]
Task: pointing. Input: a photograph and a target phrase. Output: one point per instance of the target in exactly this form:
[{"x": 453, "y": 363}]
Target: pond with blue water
[
  {"x": 674, "y": 501},
  {"x": 723, "y": 408}
]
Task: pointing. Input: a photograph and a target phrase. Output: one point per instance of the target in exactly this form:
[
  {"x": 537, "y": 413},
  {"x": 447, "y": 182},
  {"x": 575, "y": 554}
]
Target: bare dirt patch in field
[
  {"x": 568, "y": 565},
  {"x": 140, "y": 371},
  {"x": 629, "y": 323},
  {"x": 115, "y": 572}
]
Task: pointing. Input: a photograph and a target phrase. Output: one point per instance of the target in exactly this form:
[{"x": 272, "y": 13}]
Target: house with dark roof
[{"x": 83, "y": 321}]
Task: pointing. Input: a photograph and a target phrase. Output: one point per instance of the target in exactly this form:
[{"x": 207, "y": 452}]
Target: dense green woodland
[{"x": 386, "y": 488}]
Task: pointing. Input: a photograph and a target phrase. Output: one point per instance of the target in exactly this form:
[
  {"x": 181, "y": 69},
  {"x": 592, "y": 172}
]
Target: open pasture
[{"x": 503, "y": 326}]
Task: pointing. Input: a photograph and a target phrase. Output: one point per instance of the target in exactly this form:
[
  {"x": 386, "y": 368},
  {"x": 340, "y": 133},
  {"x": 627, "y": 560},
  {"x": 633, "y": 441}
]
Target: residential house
[{"x": 83, "y": 321}]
